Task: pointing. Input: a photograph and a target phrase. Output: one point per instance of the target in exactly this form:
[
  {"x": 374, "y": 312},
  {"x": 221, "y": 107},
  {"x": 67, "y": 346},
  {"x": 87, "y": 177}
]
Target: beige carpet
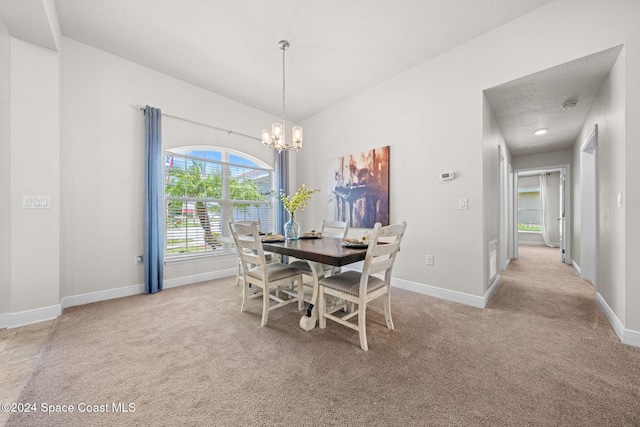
[{"x": 541, "y": 353}]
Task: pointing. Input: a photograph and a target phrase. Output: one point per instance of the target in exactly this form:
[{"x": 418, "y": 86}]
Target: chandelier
[{"x": 275, "y": 138}]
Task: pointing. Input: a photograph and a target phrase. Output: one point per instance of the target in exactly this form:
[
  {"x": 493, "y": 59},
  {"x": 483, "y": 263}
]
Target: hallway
[{"x": 538, "y": 283}]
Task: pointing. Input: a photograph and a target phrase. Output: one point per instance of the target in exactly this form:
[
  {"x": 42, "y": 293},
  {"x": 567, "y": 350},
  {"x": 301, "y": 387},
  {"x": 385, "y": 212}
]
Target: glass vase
[{"x": 291, "y": 229}]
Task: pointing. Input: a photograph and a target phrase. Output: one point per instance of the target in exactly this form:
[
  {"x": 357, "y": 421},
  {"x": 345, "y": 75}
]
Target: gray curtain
[
  {"x": 281, "y": 162},
  {"x": 153, "y": 202},
  {"x": 547, "y": 217}
]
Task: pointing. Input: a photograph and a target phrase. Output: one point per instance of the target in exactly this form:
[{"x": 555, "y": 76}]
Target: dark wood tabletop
[{"x": 327, "y": 250}]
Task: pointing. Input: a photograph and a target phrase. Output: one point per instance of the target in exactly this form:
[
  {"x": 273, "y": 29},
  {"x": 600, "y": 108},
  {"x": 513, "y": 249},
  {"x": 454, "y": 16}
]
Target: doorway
[
  {"x": 589, "y": 207},
  {"x": 529, "y": 217}
]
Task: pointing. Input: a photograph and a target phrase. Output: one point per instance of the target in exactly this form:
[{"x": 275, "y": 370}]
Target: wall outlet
[
  {"x": 139, "y": 259},
  {"x": 429, "y": 260}
]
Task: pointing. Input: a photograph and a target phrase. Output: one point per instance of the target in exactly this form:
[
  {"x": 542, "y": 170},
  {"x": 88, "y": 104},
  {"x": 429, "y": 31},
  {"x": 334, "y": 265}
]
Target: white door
[
  {"x": 562, "y": 217},
  {"x": 514, "y": 228}
]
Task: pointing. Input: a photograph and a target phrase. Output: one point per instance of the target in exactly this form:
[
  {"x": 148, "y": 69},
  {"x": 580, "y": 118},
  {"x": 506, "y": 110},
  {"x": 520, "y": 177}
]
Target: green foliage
[
  {"x": 198, "y": 183},
  {"x": 298, "y": 201},
  {"x": 529, "y": 227},
  {"x": 194, "y": 182}
]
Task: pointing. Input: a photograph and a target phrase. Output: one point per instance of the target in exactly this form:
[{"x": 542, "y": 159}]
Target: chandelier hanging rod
[{"x": 276, "y": 137}]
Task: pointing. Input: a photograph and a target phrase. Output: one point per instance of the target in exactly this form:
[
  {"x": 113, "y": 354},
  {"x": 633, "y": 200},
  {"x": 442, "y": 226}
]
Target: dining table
[{"x": 318, "y": 252}]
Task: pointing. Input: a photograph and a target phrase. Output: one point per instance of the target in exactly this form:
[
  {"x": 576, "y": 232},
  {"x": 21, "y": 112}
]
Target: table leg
[{"x": 308, "y": 321}]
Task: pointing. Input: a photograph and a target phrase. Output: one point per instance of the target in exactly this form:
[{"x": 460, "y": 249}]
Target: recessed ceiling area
[{"x": 535, "y": 102}]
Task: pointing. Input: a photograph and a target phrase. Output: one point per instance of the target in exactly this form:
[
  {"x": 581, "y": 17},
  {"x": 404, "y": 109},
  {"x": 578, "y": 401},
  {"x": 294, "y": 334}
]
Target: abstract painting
[{"x": 359, "y": 188}]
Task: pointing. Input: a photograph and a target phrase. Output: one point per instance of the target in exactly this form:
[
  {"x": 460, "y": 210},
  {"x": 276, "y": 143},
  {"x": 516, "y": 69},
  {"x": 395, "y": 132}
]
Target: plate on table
[
  {"x": 311, "y": 236},
  {"x": 272, "y": 238},
  {"x": 355, "y": 245}
]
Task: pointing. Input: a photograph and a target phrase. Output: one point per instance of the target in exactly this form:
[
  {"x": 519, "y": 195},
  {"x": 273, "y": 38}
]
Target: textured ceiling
[
  {"x": 534, "y": 102},
  {"x": 338, "y": 47}
]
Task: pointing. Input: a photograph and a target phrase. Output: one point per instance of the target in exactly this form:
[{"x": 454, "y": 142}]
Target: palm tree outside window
[{"x": 207, "y": 188}]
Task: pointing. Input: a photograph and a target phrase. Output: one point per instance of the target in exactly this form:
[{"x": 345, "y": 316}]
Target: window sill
[
  {"x": 529, "y": 231},
  {"x": 181, "y": 259}
]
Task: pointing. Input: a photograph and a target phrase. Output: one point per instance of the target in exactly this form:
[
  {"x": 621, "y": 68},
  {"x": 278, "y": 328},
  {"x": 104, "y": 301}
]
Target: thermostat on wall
[{"x": 446, "y": 176}]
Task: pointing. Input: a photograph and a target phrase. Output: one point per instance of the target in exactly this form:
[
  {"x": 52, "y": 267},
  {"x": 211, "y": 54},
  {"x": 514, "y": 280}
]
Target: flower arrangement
[{"x": 298, "y": 201}]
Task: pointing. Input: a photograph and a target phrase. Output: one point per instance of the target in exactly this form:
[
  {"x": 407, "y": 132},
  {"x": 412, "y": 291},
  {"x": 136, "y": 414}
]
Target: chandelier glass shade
[{"x": 276, "y": 136}]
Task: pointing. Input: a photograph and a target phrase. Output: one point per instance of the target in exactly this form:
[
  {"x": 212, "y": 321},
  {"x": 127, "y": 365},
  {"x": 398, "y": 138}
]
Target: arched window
[{"x": 205, "y": 188}]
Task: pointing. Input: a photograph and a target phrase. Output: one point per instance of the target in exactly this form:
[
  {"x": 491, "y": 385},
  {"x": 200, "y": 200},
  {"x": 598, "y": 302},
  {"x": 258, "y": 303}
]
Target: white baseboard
[
  {"x": 576, "y": 267},
  {"x": 4, "y": 320},
  {"x": 446, "y": 294},
  {"x": 197, "y": 278},
  {"x": 28, "y": 317},
  {"x": 492, "y": 287},
  {"x": 626, "y": 336},
  {"x": 128, "y": 291},
  {"x": 91, "y": 297},
  {"x": 631, "y": 337}
]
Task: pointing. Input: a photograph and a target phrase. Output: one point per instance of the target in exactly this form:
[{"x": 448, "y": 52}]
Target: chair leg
[
  {"x": 245, "y": 291},
  {"x": 238, "y": 272},
  {"x": 362, "y": 325},
  {"x": 321, "y": 307},
  {"x": 265, "y": 305},
  {"x": 387, "y": 310}
]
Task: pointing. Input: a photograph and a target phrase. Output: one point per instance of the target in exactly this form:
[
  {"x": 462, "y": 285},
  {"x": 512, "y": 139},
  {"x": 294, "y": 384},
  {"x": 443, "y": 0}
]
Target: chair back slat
[
  {"x": 377, "y": 267},
  {"x": 248, "y": 243},
  {"x": 381, "y": 257},
  {"x": 334, "y": 229},
  {"x": 382, "y": 248},
  {"x": 248, "y": 223}
]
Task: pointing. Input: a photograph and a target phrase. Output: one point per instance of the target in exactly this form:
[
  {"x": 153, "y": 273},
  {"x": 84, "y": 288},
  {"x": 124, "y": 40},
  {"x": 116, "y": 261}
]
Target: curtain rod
[{"x": 228, "y": 131}]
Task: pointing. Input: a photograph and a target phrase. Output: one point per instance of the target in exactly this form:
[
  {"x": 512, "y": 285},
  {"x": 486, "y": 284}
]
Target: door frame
[
  {"x": 504, "y": 254},
  {"x": 589, "y": 148},
  {"x": 566, "y": 200}
]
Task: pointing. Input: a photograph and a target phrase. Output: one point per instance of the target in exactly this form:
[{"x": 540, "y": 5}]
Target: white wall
[
  {"x": 608, "y": 112},
  {"x": 102, "y": 151},
  {"x": 432, "y": 117},
  {"x": 401, "y": 113},
  {"x": 492, "y": 138},
  {"x": 5, "y": 174},
  {"x": 35, "y": 171},
  {"x": 552, "y": 158}
]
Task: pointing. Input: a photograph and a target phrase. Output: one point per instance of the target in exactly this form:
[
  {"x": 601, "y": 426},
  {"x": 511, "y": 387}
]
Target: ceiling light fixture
[
  {"x": 275, "y": 138},
  {"x": 569, "y": 105},
  {"x": 540, "y": 131}
]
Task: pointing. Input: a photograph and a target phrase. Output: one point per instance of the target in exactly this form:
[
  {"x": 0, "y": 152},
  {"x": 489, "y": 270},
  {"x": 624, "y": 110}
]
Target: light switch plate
[
  {"x": 463, "y": 203},
  {"x": 36, "y": 202}
]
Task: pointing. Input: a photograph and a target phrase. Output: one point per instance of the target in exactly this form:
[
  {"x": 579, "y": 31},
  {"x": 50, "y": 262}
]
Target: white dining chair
[
  {"x": 363, "y": 287},
  {"x": 268, "y": 255},
  {"x": 338, "y": 229},
  {"x": 271, "y": 277}
]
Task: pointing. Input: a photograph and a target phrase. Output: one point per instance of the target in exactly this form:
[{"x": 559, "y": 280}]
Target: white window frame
[
  {"x": 225, "y": 248},
  {"x": 529, "y": 209}
]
